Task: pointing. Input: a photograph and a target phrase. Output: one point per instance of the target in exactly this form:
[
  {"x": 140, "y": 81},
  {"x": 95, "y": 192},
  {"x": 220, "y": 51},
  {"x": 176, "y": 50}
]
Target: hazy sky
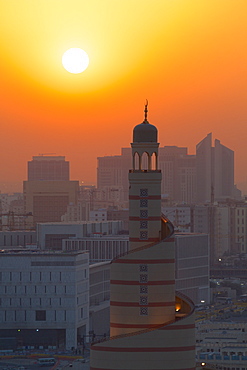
[{"x": 187, "y": 57}]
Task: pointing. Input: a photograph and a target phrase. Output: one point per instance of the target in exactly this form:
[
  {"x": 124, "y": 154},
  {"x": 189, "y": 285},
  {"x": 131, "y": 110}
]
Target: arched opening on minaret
[
  {"x": 145, "y": 161},
  {"x": 154, "y": 161},
  {"x": 136, "y": 161}
]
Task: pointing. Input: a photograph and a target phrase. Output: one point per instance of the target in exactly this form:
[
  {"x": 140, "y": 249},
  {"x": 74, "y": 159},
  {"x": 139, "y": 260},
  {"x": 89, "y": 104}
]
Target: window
[
  {"x": 143, "y": 202},
  {"x": 143, "y": 235},
  {"x": 143, "y": 268},
  {"x": 143, "y": 311},
  {"x": 143, "y": 278},
  {"x": 40, "y": 315},
  {"x": 143, "y": 289},
  {"x": 143, "y": 214},
  {"x": 143, "y": 300},
  {"x": 143, "y": 224},
  {"x": 143, "y": 192}
]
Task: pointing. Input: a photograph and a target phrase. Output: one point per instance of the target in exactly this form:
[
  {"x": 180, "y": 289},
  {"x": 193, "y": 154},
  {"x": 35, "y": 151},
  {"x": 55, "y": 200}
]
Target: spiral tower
[{"x": 151, "y": 326}]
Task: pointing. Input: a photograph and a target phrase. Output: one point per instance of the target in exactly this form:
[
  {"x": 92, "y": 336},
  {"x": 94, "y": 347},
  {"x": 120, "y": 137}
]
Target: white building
[
  {"x": 100, "y": 248},
  {"x": 192, "y": 266},
  {"x": 99, "y": 299},
  {"x": 51, "y": 234},
  {"x": 44, "y": 298},
  {"x": 98, "y": 215}
]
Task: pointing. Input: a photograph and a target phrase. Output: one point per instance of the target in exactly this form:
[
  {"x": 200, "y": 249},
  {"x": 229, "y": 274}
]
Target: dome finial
[{"x": 146, "y": 112}]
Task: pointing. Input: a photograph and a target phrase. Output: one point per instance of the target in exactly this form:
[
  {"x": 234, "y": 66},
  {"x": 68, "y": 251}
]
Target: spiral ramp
[{"x": 152, "y": 326}]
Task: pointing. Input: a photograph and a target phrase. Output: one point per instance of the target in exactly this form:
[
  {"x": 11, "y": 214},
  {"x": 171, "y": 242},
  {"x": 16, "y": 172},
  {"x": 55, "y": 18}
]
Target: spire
[{"x": 146, "y": 112}]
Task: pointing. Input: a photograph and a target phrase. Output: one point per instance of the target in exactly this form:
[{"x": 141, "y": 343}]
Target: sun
[{"x": 75, "y": 60}]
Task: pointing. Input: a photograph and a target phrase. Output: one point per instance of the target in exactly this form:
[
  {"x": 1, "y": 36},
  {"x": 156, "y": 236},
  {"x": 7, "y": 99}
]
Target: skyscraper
[
  {"x": 152, "y": 327},
  {"x": 214, "y": 171},
  {"x": 48, "y": 191},
  {"x": 179, "y": 172}
]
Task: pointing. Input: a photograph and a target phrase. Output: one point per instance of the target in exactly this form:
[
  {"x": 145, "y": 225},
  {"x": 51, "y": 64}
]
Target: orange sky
[{"x": 187, "y": 57}]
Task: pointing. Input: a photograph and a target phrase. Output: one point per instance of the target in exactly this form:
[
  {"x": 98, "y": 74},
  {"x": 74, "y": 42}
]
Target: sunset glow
[{"x": 187, "y": 57}]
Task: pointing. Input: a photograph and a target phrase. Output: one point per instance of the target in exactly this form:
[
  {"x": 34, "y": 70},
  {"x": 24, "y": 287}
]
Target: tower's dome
[{"x": 144, "y": 133}]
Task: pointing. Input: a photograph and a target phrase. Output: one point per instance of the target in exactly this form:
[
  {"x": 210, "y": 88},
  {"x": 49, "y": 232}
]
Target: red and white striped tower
[
  {"x": 143, "y": 288},
  {"x": 150, "y": 326}
]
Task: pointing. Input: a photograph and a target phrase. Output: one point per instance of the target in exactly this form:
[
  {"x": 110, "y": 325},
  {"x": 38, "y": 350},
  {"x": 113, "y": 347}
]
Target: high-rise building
[
  {"x": 112, "y": 172},
  {"x": 48, "y": 191},
  {"x": 214, "y": 171},
  {"x": 179, "y": 171},
  {"x": 151, "y": 326},
  {"x": 44, "y": 167}
]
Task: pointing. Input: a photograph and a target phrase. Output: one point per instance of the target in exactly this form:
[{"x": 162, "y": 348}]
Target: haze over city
[{"x": 187, "y": 57}]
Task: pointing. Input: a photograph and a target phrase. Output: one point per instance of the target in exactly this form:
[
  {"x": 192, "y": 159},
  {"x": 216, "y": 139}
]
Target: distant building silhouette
[
  {"x": 179, "y": 174},
  {"x": 48, "y": 191},
  {"x": 112, "y": 171},
  {"x": 214, "y": 171},
  {"x": 44, "y": 167},
  {"x": 179, "y": 169}
]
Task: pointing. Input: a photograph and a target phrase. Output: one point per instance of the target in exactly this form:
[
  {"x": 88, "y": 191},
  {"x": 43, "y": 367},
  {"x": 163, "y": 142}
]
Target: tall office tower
[
  {"x": 48, "y": 191},
  {"x": 44, "y": 167},
  {"x": 223, "y": 171},
  {"x": 214, "y": 171},
  {"x": 152, "y": 327},
  {"x": 179, "y": 171},
  {"x": 112, "y": 171}
]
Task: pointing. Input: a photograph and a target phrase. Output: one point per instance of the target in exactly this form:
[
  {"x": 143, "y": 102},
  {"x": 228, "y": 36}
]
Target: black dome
[{"x": 145, "y": 133}]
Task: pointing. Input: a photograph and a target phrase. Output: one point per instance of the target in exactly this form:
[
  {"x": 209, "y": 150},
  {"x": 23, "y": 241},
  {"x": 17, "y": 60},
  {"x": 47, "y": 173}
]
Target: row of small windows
[
  {"x": 33, "y": 289},
  {"x": 10, "y": 276},
  {"x": 143, "y": 298},
  {"x": 4, "y": 302},
  {"x": 40, "y": 315},
  {"x": 242, "y": 221},
  {"x": 238, "y": 212}
]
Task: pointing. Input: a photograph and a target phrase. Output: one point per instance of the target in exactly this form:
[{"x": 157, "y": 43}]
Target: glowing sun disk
[{"x": 75, "y": 60}]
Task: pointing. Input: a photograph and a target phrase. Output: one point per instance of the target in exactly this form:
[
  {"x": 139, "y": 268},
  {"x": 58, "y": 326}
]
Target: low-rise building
[
  {"x": 51, "y": 234},
  {"x": 44, "y": 298}
]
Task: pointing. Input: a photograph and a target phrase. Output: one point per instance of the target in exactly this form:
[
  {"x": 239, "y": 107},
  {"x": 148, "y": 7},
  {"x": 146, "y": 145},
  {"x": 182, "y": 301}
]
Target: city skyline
[{"x": 186, "y": 57}]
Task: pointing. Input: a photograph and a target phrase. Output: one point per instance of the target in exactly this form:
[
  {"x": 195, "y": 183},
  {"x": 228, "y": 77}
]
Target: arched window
[
  {"x": 154, "y": 160},
  {"x": 145, "y": 161},
  {"x": 136, "y": 161}
]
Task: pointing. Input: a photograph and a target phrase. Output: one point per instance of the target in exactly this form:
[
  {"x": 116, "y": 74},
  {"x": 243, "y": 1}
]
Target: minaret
[
  {"x": 143, "y": 285},
  {"x": 145, "y": 186},
  {"x": 151, "y": 327}
]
